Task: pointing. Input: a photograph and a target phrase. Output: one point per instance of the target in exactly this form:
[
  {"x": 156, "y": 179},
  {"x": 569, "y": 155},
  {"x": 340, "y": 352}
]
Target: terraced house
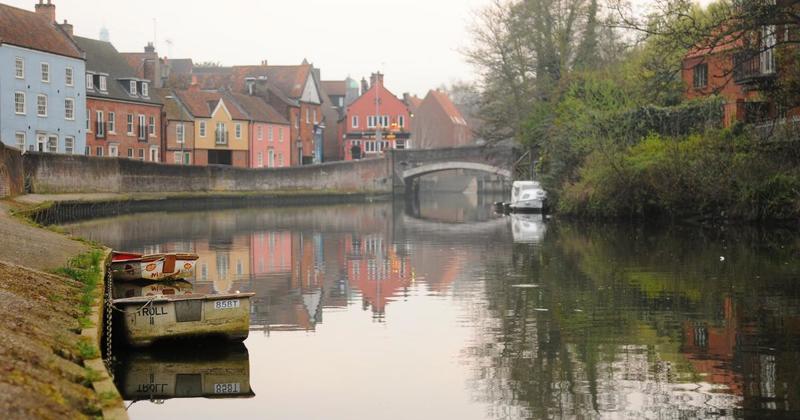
[
  {"x": 122, "y": 118},
  {"x": 221, "y": 134},
  {"x": 269, "y": 133},
  {"x": 43, "y": 100}
]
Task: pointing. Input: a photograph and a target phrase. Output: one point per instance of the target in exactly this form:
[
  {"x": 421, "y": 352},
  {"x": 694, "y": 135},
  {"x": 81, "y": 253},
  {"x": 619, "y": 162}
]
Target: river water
[{"x": 439, "y": 309}]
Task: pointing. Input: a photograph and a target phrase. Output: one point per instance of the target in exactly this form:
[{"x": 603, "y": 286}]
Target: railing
[{"x": 751, "y": 66}]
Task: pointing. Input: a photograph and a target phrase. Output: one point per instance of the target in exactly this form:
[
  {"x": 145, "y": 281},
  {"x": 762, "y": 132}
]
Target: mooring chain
[{"x": 109, "y": 321}]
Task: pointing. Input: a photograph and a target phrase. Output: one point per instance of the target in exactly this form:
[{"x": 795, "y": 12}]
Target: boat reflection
[
  {"x": 153, "y": 375},
  {"x": 528, "y": 228}
]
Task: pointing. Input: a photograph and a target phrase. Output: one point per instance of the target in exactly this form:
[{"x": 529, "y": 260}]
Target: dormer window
[
  {"x": 133, "y": 87},
  {"x": 89, "y": 81},
  {"x": 145, "y": 89},
  {"x": 103, "y": 83}
]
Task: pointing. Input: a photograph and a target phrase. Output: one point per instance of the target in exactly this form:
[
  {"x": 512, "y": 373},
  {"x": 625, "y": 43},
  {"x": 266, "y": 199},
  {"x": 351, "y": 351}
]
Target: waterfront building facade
[
  {"x": 42, "y": 96},
  {"x": 221, "y": 134},
  {"x": 269, "y": 133}
]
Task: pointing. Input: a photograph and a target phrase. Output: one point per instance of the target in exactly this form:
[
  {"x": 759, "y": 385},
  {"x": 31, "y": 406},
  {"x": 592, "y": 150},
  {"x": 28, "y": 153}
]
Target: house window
[
  {"x": 69, "y": 109},
  {"x": 103, "y": 83},
  {"x": 271, "y": 134},
  {"x": 238, "y": 131},
  {"x": 100, "y": 125},
  {"x": 769, "y": 40},
  {"x": 132, "y": 86},
  {"x": 88, "y": 120},
  {"x": 52, "y": 144},
  {"x": 202, "y": 128},
  {"x": 371, "y": 121},
  {"x": 260, "y": 160},
  {"x": 154, "y": 154},
  {"x": 41, "y": 105},
  {"x": 89, "y": 81},
  {"x": 271, "y": 157},
  {"x": 19, "y": 68},
  {"x": 112, "y": 122},
  {"x": 260, "y": 132},
  {"x": 69, "y": 77},
  {"x": 401, "y": 121},
  {"x": 177, "y": 158},
  {"x": 69, "y": 145},
  {"x": 113, "y": 150},
  {"x": 152, "y": 126},
  {"x": 700, "y": 76},
  {"x": 145, "y": 89},
  {"x": 221, "y": 135},
  {"x": 280, "y": 134},
  {"x": 141, "y": 154},
  {"x": 385, "y": 123},
  {"x": 45, "y": 72},
  {"x": 19, "y": 103},
  {"x": 130, "y": 124},
  {"x": 308, "y": 116},
  {"x": 19, "y": 137},
  {"x": 130, "y": 153},
  {"x": 187, "y": 158},
  {"x": 142, "y": 127},
  {"x": 99, "y": 151},
  {"x": 355, "y": 121},
  {"x": 179, "y": 133}
]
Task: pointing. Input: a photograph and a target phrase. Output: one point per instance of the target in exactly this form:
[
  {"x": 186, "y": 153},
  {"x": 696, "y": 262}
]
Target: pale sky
[{"x": 414, "y": 42}]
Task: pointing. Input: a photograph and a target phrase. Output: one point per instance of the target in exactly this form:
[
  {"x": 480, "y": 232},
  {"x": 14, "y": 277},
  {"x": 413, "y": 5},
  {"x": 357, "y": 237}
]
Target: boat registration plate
[
  {"x": 226, "y": 304},
  {"x": 233, "y": 388}
]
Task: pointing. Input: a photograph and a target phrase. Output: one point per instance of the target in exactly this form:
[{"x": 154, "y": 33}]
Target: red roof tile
[
  {"x": 29, "y": 30},
  {"x": 259, "y": 110},
  {"x": 335, "y": 87},
  {"x": 202, "y": 103},
  {"x": 447, "y": 105}
]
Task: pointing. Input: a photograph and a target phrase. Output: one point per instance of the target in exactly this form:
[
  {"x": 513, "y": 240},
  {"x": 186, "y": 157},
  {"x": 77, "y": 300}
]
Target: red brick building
[
  {"x": 123, "y": 119},
  {"x": 438, "y": 123},
  {"x": 375, "y": 122},
  {"x": 739, "y": 68}
]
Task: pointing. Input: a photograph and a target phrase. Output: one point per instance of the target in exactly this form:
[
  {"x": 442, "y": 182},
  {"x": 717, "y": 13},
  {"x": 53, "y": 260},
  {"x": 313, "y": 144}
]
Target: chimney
[
  {"x": 67, "y": 27},
  {"x": 150, "y": 48},
  {"x": 364, "y": 86},
  {"x": 376, "y": 79},
  {"x": 48, "y": 10},
  {"x": 264, "y": 63}
]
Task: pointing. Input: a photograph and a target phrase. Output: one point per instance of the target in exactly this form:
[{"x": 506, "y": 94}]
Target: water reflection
[{"x": 537, "y": 318}]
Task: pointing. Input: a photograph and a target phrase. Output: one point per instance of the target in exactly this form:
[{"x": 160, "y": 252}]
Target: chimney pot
[{"x": 47, "y": 10}]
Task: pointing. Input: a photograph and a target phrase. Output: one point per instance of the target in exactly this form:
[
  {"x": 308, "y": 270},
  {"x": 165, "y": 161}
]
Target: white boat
[
  {"x": 126, "y": 266},
  {"x": 527, "y": 196}
]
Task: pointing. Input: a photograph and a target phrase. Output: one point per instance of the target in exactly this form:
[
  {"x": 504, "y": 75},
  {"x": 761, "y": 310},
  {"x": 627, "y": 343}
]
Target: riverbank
[{"x": 50, "y": 290}]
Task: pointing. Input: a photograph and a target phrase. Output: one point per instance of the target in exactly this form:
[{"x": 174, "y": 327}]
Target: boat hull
[
  {"x": 129, "y": 267},
  {"x": 527, "y": 206},
  {"x": 146, "y": 320}
]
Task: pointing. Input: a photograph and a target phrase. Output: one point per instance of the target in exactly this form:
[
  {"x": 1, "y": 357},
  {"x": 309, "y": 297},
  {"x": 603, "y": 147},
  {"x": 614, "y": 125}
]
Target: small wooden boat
[
  {"x": 138, "y": 288},
  {"x": 149, "y": 319},
  {"x": 127, "y": 266}
]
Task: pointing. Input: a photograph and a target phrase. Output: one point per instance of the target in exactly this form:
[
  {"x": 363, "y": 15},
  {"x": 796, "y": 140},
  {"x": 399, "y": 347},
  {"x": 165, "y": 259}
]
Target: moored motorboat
[
  {"x": 148, "y": 319},
  {"x": 127, "y": 266},
  {"x": 527, "y": 196}
]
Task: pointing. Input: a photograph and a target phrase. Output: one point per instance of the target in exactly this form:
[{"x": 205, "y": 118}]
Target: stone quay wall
[
  {"x": 64, "y": 174},
  {"x": 12, "y": 181}
]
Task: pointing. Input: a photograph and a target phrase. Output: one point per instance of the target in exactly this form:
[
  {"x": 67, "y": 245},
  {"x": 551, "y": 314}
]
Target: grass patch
[
  {"x": 87, "y": 269},
  {"x": 87, "y": 350}
]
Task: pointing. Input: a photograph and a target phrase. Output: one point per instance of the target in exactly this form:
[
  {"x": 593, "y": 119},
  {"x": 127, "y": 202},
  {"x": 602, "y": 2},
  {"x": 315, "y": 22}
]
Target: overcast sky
[{"x": 414, "y": 42}]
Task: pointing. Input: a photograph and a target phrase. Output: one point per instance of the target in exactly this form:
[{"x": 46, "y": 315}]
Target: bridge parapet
[{"x": 409, "y": 164}]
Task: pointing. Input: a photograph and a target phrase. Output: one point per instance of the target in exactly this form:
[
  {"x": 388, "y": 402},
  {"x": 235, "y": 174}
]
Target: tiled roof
[
  {"x": 289, "y": 79},
  {"x": 182, "y": 66},
  {"x": 726, "y": 42},
  {"x": 413, "y": 103},
  {"x": 102, "y": 57},
  {"x": 447, "y": 106},
  {"x": 202, "y": 103},
  {"x": 29, "y": 30},
  {"x": 259, "y": 110},
  {"x": 335, "y": 87},
  {"x": 173, "y": 109}
]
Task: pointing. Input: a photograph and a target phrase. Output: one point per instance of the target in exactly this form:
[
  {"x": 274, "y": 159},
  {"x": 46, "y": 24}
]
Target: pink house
[{"x": 269, "y": 133}]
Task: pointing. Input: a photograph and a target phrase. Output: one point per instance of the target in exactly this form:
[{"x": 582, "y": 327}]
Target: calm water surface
[{"x": 438, "y": 309}]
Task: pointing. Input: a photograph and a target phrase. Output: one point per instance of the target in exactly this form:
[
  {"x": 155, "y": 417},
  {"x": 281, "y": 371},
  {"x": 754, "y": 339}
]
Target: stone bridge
[{"x": 407, "y": 165}]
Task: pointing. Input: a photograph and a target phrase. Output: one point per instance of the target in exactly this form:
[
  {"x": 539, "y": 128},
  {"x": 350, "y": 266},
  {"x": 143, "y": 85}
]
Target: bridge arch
[{"x": 448, "y": 166}]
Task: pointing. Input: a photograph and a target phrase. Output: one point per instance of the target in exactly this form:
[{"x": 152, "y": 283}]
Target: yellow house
[{"x": 221, "y": 128}]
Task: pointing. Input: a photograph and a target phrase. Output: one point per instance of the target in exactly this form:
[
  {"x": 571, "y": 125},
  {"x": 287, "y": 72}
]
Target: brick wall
[
  {"x": 60, "y": 174},
  {"x": 11, "y": 175}
]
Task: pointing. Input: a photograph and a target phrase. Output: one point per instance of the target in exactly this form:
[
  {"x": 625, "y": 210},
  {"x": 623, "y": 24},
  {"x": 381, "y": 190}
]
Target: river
[{"x": 440, "y": 309}]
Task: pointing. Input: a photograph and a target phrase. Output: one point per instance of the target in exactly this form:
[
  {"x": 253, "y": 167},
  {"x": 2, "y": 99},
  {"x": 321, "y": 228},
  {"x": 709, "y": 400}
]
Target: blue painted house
[{"x": 42, "y": 82}]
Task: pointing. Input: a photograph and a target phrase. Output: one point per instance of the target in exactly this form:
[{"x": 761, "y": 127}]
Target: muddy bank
[{"x": 40, "y": 347}]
